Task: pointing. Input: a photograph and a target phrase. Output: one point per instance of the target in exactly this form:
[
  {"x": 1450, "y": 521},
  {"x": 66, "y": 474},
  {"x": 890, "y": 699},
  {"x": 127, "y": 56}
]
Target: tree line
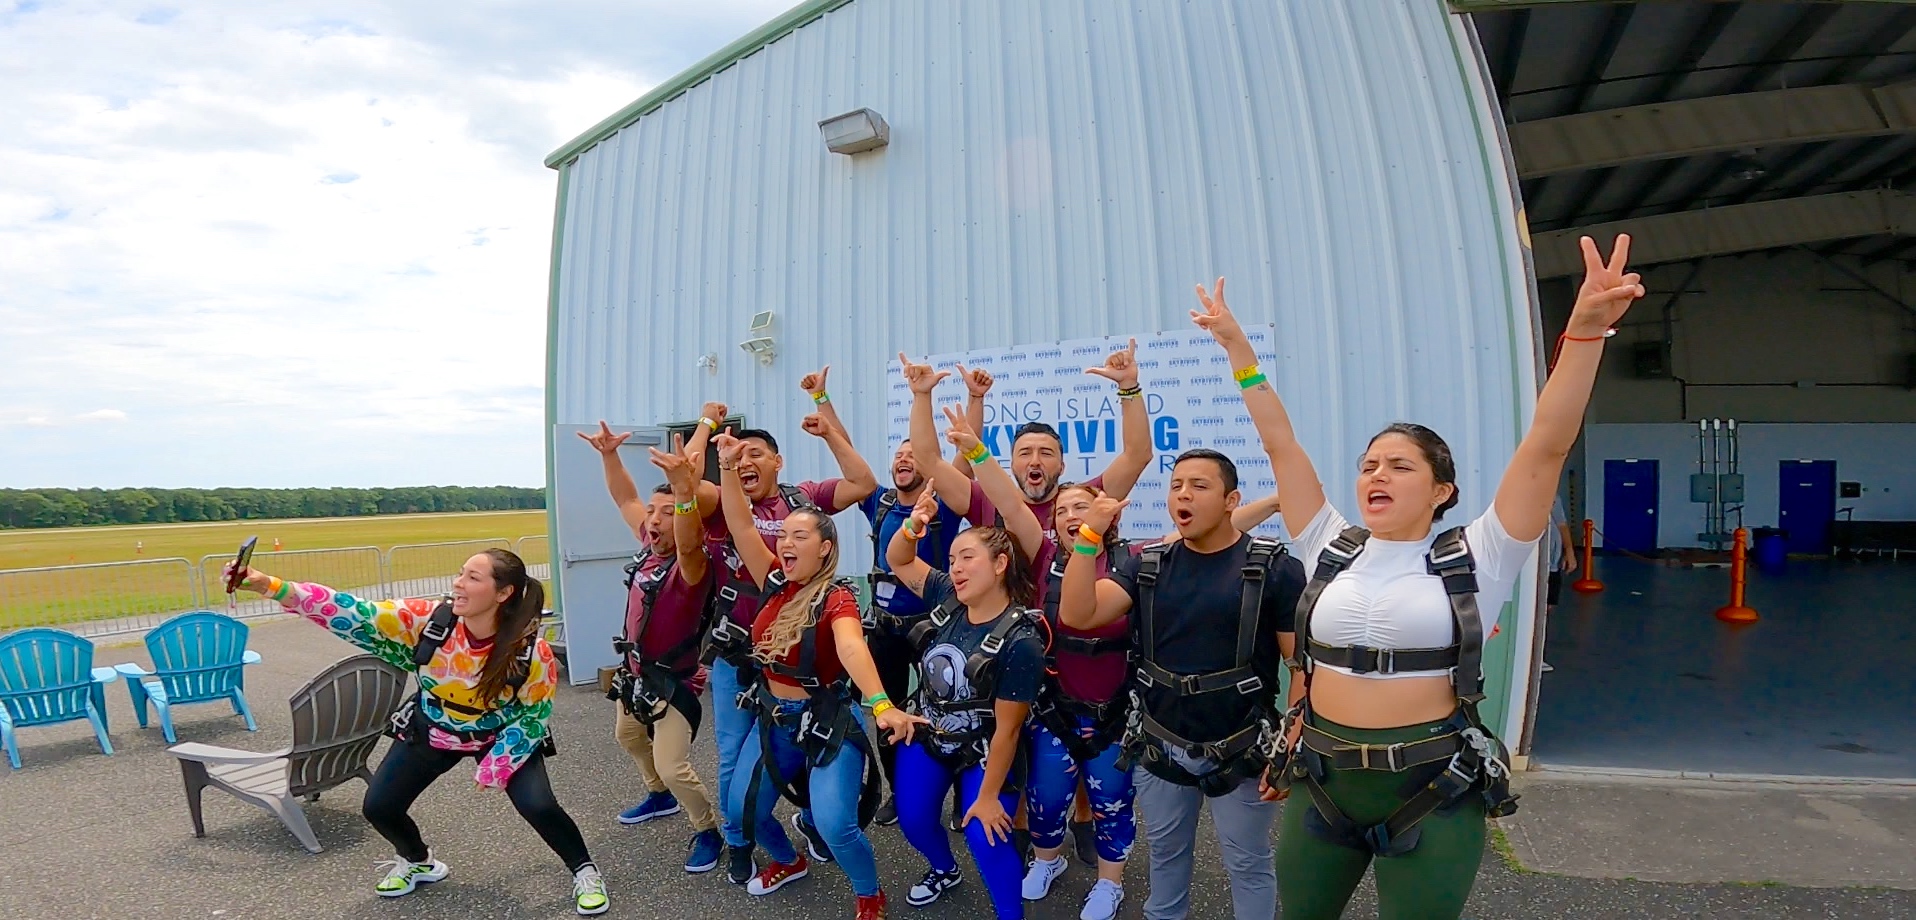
[{"x": 28, "y": 508}]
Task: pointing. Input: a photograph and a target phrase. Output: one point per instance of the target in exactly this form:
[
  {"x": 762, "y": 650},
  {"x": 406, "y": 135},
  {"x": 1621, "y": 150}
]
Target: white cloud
[{"x": 245, "y": 222}]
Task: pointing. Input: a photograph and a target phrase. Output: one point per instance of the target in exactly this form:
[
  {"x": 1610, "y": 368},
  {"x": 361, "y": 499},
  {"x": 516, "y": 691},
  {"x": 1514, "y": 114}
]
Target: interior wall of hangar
[{"x": 1762, "y": 156}]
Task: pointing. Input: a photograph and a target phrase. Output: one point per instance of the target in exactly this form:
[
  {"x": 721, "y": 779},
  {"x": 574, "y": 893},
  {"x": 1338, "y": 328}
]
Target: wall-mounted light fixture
[
  {"x": 855, "y": 131},
  {"x": 760, "y": 343}
]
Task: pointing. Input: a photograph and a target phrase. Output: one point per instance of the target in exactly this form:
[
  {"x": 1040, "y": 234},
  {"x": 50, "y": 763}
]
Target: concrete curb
[{"x": 1547, "y": 773}]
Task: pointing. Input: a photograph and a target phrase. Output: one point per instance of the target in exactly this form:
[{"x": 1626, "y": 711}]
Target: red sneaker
[
  {"x": 776, "y": 875},
  {"x": 871, "y": 907}
]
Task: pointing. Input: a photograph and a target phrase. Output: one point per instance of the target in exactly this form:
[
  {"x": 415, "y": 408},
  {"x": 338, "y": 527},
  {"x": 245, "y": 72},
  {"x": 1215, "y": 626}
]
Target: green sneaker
[
  {"x": 402, "y": 876},
  {"x": 588, "y": 891}
]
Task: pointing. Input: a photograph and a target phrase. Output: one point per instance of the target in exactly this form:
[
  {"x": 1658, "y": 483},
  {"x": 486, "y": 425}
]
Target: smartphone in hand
[{"x": 241, "y": 560}]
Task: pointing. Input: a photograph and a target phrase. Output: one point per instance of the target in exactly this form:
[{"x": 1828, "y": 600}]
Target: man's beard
[
  {"x": 910, "y": 484},
  {"x": 1041, "y": 491}
]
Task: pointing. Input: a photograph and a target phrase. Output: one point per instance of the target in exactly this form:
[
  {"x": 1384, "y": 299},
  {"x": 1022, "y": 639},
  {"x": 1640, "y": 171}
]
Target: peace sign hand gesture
[
  {"x": 958, "y": 432},
  {"x": 1120, "y": 367},
  {"x": 924, "y": 510},
  {"x": 1607, "y": 290},
  {"x": 1216, "y": 318},
  {"x": 603, "y": 440},
  {"x": 921, "y": 377}
]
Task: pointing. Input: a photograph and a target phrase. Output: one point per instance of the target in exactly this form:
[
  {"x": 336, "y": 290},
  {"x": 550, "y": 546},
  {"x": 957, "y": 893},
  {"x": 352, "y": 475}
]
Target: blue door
[
  {"x": 1630, "y": 505},
  {"x": 1806, "y": 504}
]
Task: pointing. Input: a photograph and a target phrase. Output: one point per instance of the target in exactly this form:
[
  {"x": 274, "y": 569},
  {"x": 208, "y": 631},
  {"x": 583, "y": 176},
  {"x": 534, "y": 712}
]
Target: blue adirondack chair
[
  {"x": 197, "y": 658},
  {"x": 47, "y": 676}
]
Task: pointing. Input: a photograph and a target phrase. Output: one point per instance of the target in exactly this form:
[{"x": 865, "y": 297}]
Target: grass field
[{"x": 311, "y": 550}]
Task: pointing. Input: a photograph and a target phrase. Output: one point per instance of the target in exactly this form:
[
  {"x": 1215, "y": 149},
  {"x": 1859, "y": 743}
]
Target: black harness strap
[
  {"x": 982, "y": 669},
  {"x": 432, "y": 638}
]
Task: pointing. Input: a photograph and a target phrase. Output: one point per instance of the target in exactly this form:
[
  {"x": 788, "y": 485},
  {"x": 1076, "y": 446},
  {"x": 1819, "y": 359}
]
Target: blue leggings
[
  {"x": 922, "y": 786},
  {"x": 1054, "y": 779},
  {"x": 834, "y": 792}
]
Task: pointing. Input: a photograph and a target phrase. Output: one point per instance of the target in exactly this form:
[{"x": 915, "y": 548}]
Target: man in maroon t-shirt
[{"x": 670, "y": 587}]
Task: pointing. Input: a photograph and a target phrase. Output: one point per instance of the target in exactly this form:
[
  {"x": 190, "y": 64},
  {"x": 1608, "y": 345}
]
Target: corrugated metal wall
[{"x": 1064, "y": 169}]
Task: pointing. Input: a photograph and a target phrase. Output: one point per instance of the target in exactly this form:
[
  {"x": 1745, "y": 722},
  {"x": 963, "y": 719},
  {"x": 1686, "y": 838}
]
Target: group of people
[{"x": 1017, "y": 652}]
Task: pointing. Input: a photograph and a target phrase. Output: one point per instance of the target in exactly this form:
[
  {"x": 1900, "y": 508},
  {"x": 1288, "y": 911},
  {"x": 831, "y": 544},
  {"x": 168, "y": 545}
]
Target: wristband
[
  {"x": 1595, "y": 338},
  {"x": 1251, "y": 381},
  {"x": 709, "y": 423},
  {"x": 1084, "y": 549},
  {"x": 881, "y": 707},
  {"x": 1132, "y": 393},
  {"x": 910, "y": 533},
  {"x": 821, "y": 397},
  {"x": 1245, "y": 373},
  {"x": 979, "y": 454},
  {"x": 276, "y": 588},
  {"x": 690, "y": 507},
  {"x": 1090, "y": 536},
  {"x": 876, "y": 698}
]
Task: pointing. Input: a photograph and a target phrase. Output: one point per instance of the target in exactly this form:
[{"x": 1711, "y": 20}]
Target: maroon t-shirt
[
  {"x": 1091, "y": 678},
  {"x": 840, "y": 604},
  {"x": 1047, "y": 510},
  {"x": 769, "y": 516},
  {"x": 675, "y": 614}
]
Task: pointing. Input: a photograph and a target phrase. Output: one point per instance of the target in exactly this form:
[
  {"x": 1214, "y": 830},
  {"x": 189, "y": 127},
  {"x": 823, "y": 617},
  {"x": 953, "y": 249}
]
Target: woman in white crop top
[{"x": 1386, "y": 599}]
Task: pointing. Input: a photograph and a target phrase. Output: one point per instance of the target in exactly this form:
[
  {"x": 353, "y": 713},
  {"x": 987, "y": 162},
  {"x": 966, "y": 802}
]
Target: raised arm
[
  {"x": 950, "y": 482},
  {"x": 1086, "y": 601},
  {"x": 902, "y": 552},
  {"x": 997, "y": 484},
  {"x": 737, "y": 509},
  {"x": 1250, "y": 514},
  {"x": 387, "y": 629},
  {"x": 710, "y": 418},
  {"x": 618, "y": 482},
  {"x": 688, "y": 529},
  {"x": 977, "y": 386},
  {"x": 1296, "y": 478},
  {"x": 857, "y": 480},
  {"x": 1530, "y": 482},
  {"x": 1121, "y": 367}
]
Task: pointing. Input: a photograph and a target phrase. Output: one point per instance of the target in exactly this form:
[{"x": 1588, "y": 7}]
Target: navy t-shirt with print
[{"x": 1020, "y": 664}]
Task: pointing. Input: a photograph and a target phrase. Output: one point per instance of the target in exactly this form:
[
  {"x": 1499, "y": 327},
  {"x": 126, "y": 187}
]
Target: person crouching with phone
[{"x": 486, "y": 682}]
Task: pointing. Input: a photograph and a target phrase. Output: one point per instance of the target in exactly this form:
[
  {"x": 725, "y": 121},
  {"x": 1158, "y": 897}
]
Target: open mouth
[
  {"x": 1183, "y": 516},
  {"x": 748, "y": 479},
  {"x": 1034, "y": 477},
  {"x": 1377, "y": 500},
  {"x": 788, "y": 560}
]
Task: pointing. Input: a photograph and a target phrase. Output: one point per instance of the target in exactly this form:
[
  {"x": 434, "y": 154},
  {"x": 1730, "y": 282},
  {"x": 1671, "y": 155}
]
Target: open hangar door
[{"x": 1761, "y": 155}]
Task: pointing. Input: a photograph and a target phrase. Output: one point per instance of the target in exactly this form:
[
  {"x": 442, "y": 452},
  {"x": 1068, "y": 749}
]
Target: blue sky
[{"x": 259, "y": 243}]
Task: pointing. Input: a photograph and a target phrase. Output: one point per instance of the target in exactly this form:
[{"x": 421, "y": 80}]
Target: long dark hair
[
  {"x": 1019, "y": 581},
  {"x": 518, "y": 622},
  {"x": 1443, "y": 468}
]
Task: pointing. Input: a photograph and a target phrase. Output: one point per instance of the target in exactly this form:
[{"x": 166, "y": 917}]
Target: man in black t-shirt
[{"x": 1198, "y": 742}]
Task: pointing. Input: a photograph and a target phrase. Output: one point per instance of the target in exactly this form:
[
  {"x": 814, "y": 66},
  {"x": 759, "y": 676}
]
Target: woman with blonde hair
[{"x": 810, "y": 745}]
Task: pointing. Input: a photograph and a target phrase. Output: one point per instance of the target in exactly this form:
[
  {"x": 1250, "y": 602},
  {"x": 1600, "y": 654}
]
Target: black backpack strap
[
  {"x": 1331, "y": 562},
  {"x": 438, "y": 630},
  {"x": 1150, "y": 566},
  {"x": 1451, "y": 561},
  {"x": 796, "y": 499}
]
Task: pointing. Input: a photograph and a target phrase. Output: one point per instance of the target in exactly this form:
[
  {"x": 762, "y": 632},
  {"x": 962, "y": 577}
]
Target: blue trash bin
[{"x": 1772, "y": 548}]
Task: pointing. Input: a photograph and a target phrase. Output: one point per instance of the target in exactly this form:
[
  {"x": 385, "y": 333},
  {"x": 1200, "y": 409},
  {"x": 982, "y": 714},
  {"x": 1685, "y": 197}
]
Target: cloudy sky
[{"x": 270, "y": 243}]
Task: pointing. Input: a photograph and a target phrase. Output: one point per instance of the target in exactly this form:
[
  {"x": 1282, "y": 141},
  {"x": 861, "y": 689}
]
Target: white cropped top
[{"x": 1388, "y": 599}]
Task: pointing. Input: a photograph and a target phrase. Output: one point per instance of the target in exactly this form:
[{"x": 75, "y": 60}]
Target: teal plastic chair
[
  {"x": 46, "y": 677},
  {"x": 197, "y": 658}
]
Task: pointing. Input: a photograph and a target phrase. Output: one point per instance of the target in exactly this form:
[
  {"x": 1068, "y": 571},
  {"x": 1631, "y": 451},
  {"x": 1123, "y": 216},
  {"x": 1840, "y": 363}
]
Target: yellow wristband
[
  {"x": 1244, "y": 373},
  {"x": 709, "y": 423},
  {"x": 881, "y": 707}
]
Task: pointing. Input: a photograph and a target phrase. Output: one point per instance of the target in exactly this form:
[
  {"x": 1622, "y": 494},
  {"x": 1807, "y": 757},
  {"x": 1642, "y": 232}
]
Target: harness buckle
[
  {"x": 991, "y": 644},
  {"x": 728, "y": 594},
  {"x": 1458, "y": 550},
  {"x": 1364, "y": 659},
  {"x": 1393, "y": 756},
  {"x": 1250, "y": 685}
]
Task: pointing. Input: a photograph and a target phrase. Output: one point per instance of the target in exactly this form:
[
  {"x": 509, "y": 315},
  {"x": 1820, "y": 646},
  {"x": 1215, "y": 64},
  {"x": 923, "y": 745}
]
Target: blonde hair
[{"x": 799, "y": 613}]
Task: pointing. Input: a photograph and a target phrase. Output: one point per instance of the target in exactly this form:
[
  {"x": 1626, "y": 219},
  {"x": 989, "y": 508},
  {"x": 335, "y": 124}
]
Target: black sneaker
[
  {"x": 934, "y": 886},
  {"x": 738, "y": 865},
  {"x": 887, "y": 813},
  {"x": 1084, "y": 838},
  {"x": 814, "y": 841}
]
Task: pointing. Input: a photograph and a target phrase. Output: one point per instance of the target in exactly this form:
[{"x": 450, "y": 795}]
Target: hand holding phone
[{"x": 236, "y": 573}]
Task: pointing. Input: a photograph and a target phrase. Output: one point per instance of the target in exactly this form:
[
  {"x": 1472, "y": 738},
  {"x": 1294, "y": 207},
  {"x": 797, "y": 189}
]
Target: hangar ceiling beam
[
  {"x": 1711, "y": 124},
  {"x": 1686, "y": 235}
]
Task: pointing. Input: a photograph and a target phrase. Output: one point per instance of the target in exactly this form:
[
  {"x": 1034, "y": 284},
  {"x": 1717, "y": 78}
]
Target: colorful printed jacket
[{"x": 517, "y": 725}]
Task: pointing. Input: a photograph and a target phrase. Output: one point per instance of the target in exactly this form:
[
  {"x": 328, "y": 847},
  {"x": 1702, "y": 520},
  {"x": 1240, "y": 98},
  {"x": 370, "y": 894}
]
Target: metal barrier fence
[{"x": 116, "y": 597}]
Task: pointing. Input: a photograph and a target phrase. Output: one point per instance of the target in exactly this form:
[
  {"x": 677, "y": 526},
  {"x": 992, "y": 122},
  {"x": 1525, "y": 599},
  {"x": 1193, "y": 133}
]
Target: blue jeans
[
  {"x": 834, "y": 791},
  {"x": 1054, "y": 779},
  {"x": 730, "y": 727},
  {"x": 923, "y": 785}
]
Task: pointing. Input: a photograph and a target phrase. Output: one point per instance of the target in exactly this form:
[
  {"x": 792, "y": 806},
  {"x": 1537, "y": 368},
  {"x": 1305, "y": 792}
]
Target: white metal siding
[{"x": 1064, "y": 169}]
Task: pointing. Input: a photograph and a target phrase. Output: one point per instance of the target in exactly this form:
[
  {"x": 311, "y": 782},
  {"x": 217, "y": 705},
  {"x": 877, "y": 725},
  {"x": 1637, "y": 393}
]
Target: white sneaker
[
  {"x": 1039, "y": 878},
  {"x": 403, "y": 875},
  {"x": 588, "y": 891},
  {"x": 1102, "y": 903}
]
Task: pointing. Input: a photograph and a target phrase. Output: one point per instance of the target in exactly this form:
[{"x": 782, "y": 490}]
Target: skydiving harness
[
  {"x": 731, "y": 584},
  {"x": 1059, "y": 713},
  {"x": 438, "y": 630},
  {"x": 1474, "y": 760},
  {"x": 820, "y": 729},
  {"x": 1243, "y": 753},
  {"x": 972, "y": 746},
  {"x": 646, "y": 687},
  {"x": 881, "y": 618}
]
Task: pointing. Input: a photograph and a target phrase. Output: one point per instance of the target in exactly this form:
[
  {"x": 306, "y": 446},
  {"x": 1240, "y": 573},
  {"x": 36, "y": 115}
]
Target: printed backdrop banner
[{"x": 1188, "y": 391}]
